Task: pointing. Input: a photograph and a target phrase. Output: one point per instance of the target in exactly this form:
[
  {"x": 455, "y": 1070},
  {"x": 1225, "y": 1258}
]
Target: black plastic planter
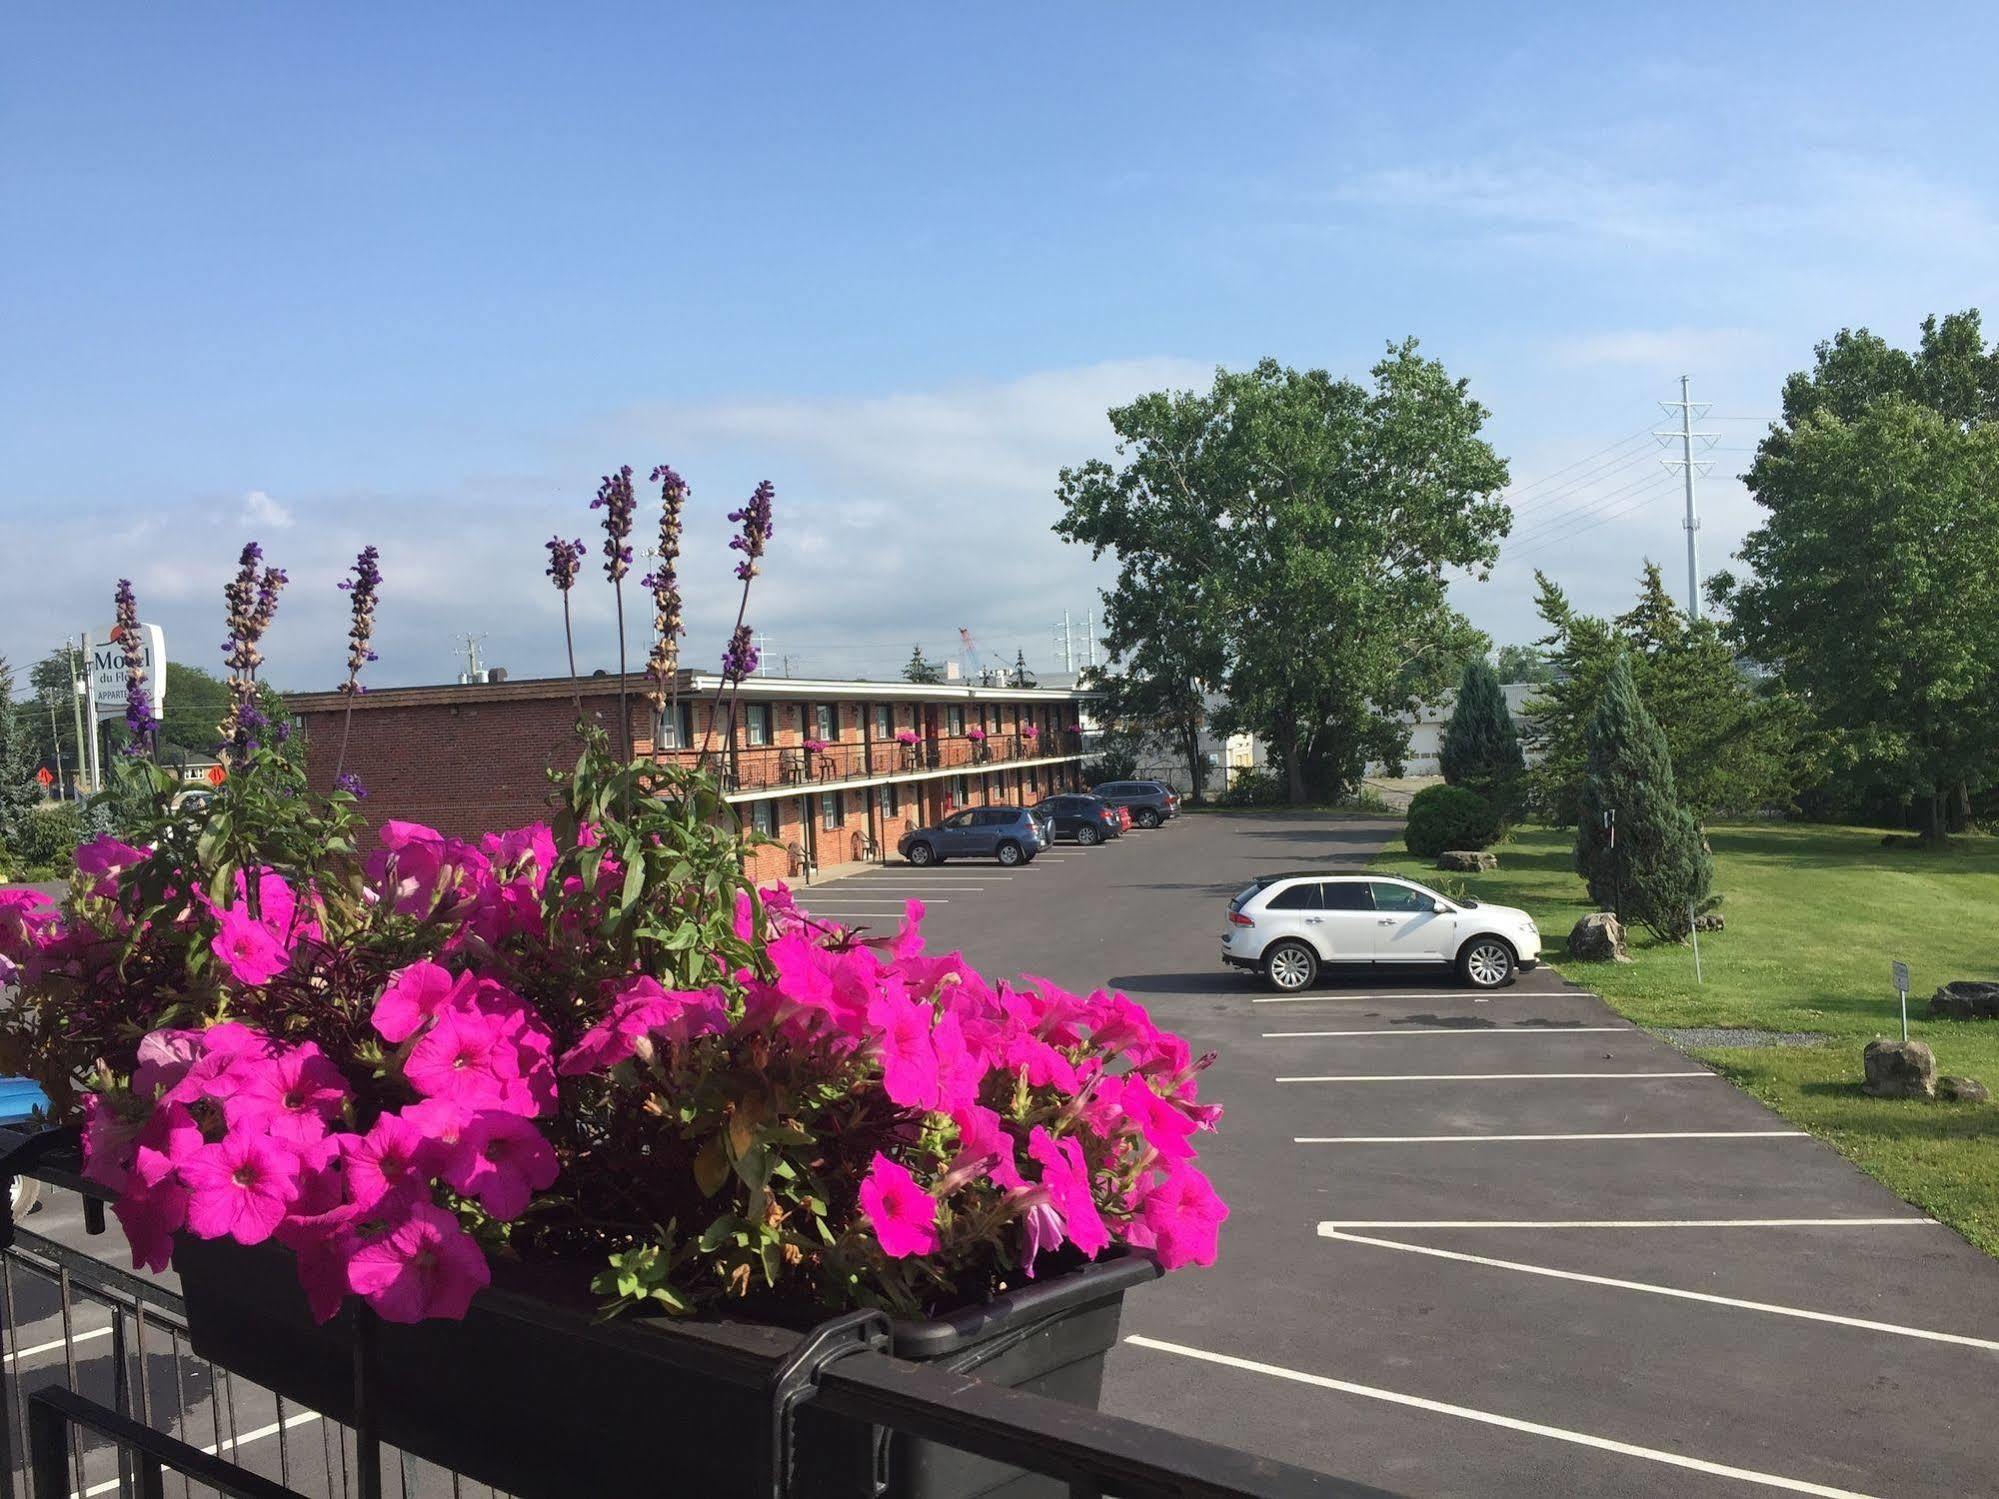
[{"x": 538, "y": 1400}]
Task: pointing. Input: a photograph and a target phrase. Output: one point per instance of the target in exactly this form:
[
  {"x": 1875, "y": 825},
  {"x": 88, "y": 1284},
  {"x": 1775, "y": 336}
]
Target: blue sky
[{"x": 417, "y": 275}]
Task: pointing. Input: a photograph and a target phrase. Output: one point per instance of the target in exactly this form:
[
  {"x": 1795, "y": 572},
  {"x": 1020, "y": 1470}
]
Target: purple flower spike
[
  {"x": 362, "y": 590},
  {"x": 740, "y": 659},
  {"x": 564, "y": 560},
  {"x": 350, "y": 783},
  {"x": 618, "y": 501},
  {"x": 754, "y": 518},
  {"x": 138, "y": 701},
  {"x": 664, "y": 582}
]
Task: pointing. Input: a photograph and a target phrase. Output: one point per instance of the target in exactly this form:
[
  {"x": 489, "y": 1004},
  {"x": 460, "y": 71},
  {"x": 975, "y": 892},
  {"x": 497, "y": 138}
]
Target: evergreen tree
[
  {"x": 916, "y": 669},
  {"x": 1481, "y": 748},
  {"x": 19, "y": 791},
  {"x": 1645, "y": 860}
]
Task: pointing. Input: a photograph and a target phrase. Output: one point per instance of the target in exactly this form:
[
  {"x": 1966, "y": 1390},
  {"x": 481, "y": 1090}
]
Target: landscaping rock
[
  {"x": 1466, "y": 861},
  {"x": 1708, "y": 921},
  {"x": 1900, "y": 1069},
  {"x": 1963, "y": 1090},
  {"x": 1965, "y": 999},
  {"x": 1599, "y": 938}
]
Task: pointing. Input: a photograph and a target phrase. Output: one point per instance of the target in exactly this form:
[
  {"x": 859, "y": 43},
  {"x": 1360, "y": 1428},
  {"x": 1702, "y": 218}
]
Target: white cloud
[
  {"x": 1669, "y": 350},
  {"x": 259, "y": 509}
]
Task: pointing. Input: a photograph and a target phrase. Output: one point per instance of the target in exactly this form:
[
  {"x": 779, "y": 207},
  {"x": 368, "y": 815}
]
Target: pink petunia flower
[
  {"x": 164, "y": 1059},
  {"x": 465, "y": 1058},
  {"x": 1165, "y": 1128},
  {"x": 239, "y": 1187},
  {"x": 228, "y": 1053},
  {"x": 903, "y": 1215},
  {"x": 959, "y": 1069},
  {"x": 151, "y": 1216},
  {"x": 981, "y": 1136},
  {"x": 413, "y": 995},
  {"x": 1181, "y": 1217},
  {"x": 909, "y": 1059},
  {"x": 103, "y": 859},
  {"x": 1067, "y": 1177},
  {"x": 292, "y": 1097},
  {"x": 502, "y": 1160},
  {"x": 642, "y": 1008},
  {"x": 395, "y": 1158},
  {"x": 426, "y": 1266},
  {"x": 247, "y": 948},
  {"x": 109, "y": 1141},
  {"x": 1041, "y": 1229}
]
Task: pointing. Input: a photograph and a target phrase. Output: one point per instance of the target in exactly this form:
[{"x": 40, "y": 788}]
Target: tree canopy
[
  {"x": 1481, "y": 747},
  {"x": 1282, "y": 539},
  {"x": 1523, "y": 663},
  {"x": 918, "y": 669},
  {"x": 1871, "y": 588},
  {"x": 1735, "y": 743}
]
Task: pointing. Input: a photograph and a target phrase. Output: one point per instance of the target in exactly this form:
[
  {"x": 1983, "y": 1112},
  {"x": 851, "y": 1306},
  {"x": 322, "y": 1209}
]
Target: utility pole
[
  {"x": 86, "y": 719},
  {"x": 1089, "y": 640},
  {"x": 1687, "y": 463},
  {"x": 470, "y": 645}
]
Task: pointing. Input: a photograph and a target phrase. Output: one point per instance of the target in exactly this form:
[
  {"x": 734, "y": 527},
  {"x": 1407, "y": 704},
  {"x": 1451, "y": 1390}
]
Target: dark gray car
[
  {"x": 1008, "y": 834},
  {"x": 1150, "y": 802}
]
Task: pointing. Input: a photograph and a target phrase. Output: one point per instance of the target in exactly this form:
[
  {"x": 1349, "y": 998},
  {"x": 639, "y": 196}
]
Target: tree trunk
[
  {"x": 1192, "y": 745},
  {"x": 1294, "y": 773},
  {"x": 1958, "y": 817},
  {"x": 1933, "y": 820}
]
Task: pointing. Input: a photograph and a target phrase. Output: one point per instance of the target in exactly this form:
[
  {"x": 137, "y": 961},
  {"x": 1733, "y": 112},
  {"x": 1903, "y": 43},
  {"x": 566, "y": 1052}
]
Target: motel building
[{"x": 833, "y": 772}]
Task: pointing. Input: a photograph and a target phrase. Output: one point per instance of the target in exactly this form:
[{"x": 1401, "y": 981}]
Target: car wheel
[
  {"x": 1486, "y": 963},
  {"x": 1009, "y": 853},
  {"x": 24, "y": 1192},
  {"x": 1145, "y": 817},
  {"x": 1290, "y": 966},
  {"x": 1086, "y": 835},
  {"x": 921, "y": 853}
]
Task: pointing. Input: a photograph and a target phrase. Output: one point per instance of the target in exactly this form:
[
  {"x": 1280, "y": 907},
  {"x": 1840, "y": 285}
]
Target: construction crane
[{"x": 971, "y": 650}]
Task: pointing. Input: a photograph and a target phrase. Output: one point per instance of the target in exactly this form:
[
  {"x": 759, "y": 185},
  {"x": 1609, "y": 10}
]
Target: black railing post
[
  {"x": 48, "y": 1451},
  {"x": 367, "y": 1434}
]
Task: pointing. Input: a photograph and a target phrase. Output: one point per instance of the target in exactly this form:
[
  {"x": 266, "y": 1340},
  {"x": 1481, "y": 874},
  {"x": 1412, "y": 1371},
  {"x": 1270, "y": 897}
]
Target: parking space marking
[
  {"x": 1680, "y": 1134},
  {"x": 1492, "y": 1418},
  {"x": 1328, "y": 1231},
  {"x": 1487, "y": 1077},
  {"x": 1547, "y": 1223},
  {"x": 1460, "y": 1030},
  {"x": 1348, "y": 994},
  {"x": 55, "y": 1346},
  {"x": 234, "y": 1444}
]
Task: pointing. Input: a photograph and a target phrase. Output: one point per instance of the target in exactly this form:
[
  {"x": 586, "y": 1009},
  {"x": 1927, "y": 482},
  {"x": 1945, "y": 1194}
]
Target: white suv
[{"x": 1287, "y": 926}]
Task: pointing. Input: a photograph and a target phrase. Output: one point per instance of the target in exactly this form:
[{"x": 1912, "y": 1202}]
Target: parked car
[
  {"x": 1289, "y": 926},
  {"x": 1150, "y": 803},
  {"x": 1087, "y": 819},
  {"x": 1008, "y": 834},
  {"x": 20, "y": 1101}
]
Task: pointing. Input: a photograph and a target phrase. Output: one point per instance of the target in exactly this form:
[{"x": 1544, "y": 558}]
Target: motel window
[
  {"x": 895, "y": 801},
  {"x": 825, "y": 722},
  {"x": 958, "y": 790},
  {"x": 954, "y": 717},
  {"x": 884, "y": 721},
  {"x": 757, "y": 722},
  {"x": 829, "y": 810},
  {"x": 763, "y": 817},
  {"x": 676, "y": 726}
]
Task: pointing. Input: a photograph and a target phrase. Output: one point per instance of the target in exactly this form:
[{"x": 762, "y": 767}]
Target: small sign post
[{"x": 1901, "y": 972}]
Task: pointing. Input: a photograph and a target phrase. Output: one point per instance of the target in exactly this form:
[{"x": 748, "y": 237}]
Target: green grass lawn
[{"x": 1814, "y": 916}]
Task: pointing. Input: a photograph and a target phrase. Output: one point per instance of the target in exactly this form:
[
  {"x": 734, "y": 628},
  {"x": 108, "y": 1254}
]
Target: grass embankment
[{"x": 1814, "y": 916}]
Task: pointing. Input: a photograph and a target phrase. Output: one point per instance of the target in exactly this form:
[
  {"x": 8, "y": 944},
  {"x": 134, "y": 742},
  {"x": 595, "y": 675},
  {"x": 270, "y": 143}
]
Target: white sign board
[
  {"x": 1901, "y": 977},
  {"x": 107, "y": 672}
]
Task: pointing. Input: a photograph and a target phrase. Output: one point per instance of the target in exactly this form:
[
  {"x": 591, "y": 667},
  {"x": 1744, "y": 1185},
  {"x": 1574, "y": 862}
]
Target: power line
[
  {"x": 1518, "y": 490},
  {"x": 1663, "y": 485},
  {"x": 1627, "y": 463},
  {"x": 1548, "y": 524}
]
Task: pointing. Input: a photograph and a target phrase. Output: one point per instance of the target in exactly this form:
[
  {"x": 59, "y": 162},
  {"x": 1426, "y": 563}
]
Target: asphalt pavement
[{"x": 1502, "y": 1245}]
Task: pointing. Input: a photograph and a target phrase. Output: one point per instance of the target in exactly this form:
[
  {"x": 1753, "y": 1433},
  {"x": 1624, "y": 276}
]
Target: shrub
[
  {"x": 1656, "y": 870},
  {"x": 1253, "y": 788},
  {"x": 1442, "y": 817},
  {"x": 47, "y": 835}
]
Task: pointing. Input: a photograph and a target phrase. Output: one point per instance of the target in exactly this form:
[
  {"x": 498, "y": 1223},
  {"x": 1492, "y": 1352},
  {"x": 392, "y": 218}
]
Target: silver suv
[{"x": 1008, "y": 834}]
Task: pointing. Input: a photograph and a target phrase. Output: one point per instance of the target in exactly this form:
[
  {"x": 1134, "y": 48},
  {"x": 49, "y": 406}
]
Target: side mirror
[{"x": 1439, "y": 907}]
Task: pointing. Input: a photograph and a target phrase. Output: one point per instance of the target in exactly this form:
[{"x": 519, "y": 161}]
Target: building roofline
[{"x": 691, "y": 683}]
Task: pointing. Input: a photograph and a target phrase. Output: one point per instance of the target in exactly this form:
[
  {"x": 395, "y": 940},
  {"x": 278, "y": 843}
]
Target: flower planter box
[{"x": 536, "y": 1399}]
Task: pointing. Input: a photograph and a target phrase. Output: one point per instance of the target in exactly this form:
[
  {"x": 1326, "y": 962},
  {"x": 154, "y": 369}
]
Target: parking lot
[{"x": 1491, "y": 1246}]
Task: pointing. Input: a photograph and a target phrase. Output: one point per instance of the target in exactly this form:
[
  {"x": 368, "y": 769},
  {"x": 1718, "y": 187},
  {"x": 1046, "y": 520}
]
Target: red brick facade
[{"x": 471, "y": 759}]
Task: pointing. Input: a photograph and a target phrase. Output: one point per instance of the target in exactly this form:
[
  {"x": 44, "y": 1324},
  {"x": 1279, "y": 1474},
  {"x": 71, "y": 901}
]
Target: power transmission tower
[
  {"x": 1687, "y": 463},
  {"x": 1067, "y": 644}
]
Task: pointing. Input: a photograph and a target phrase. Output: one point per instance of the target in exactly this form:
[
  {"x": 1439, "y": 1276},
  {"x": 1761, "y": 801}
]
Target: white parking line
[
  {"x": 1490, "y": 1418},
  {"x": 1342, "y": 995},
  {"x": 111, "y": 1485},
  {"x": 1485, "y": 1077},
  {"x": 1547, "y": 1223},
  {"x": 56, "y": 1345},
  {"x": 1462, "y": 1030},
  {"x": 1329, "y": 1231},
  {"x": 1682, "y": 1134}
]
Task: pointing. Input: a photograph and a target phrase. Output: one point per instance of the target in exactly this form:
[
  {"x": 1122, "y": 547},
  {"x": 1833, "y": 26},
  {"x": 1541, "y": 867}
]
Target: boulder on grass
[
  {"x": 1599, "y": 938},
  {"x": 1900, "y": 1069},
  {"x": 1963, "y": 1090},
  {"x": 1467, "y": 861},
  {"x": 1965, "y": 999},
  {"x": 1708, "y": 921}
]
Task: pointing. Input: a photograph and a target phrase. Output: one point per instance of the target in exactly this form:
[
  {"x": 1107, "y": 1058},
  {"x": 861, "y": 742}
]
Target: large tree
[
  {"x": 918, "y": 669},
  {"x": 1282, "y": 538},
  {"x": 1481, "y": 747},
  {"x": 1523, "y": 663},
  {"x": 1736, "y": 744},
  {"x": 1871, "y": 587}
]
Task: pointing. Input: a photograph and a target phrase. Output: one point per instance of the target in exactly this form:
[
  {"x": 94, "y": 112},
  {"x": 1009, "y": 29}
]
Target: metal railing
[
  {"x": 761, "y": 767},
  {"x": 101, "y": 1393}
]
